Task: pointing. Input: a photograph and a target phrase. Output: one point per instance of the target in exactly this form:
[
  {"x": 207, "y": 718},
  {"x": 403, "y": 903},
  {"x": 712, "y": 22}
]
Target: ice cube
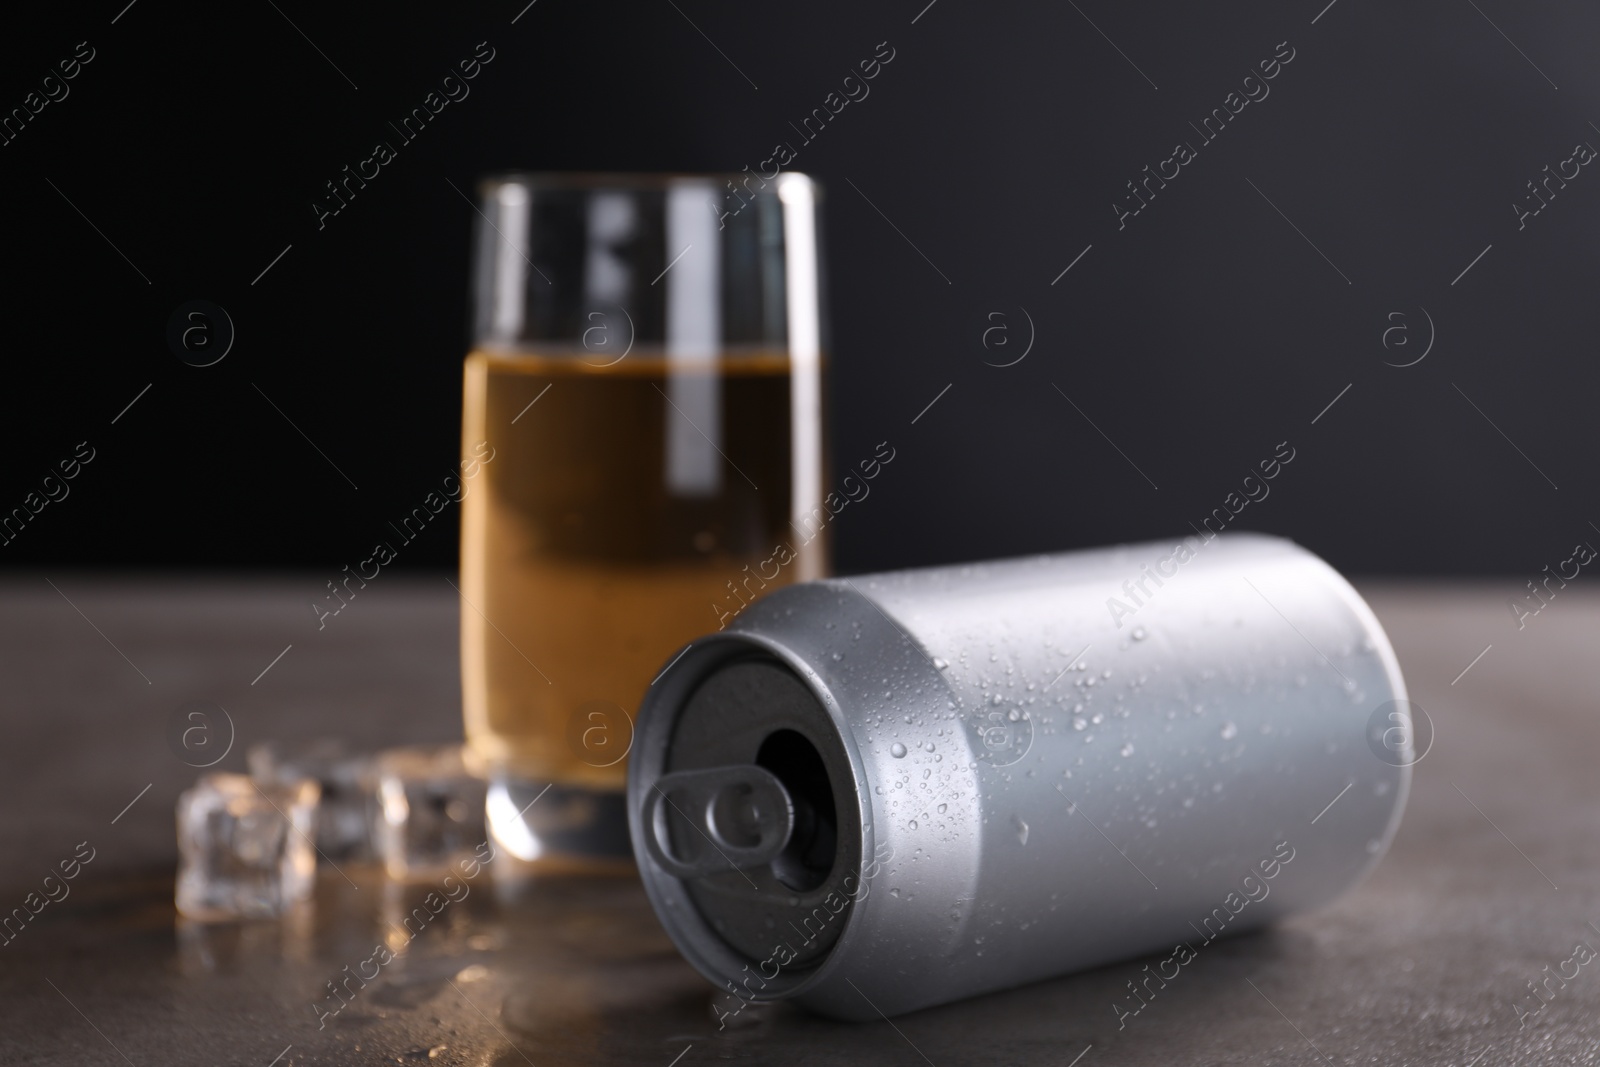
[
  {"x": 430, "y": 811},
  {"x": 345, "y": 816},
  {"x": 245, "y": 847}
]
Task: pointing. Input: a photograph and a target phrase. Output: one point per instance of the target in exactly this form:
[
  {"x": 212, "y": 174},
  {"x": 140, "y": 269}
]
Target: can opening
[{"x": 808, "y": 858}]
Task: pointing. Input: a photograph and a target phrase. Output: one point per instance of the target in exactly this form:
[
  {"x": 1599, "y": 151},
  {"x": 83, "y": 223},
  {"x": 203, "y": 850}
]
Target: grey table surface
[{"x": 1492, "y": 878}]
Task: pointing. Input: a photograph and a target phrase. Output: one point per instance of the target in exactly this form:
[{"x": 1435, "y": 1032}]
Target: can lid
[{"x": 749, "y": 803}]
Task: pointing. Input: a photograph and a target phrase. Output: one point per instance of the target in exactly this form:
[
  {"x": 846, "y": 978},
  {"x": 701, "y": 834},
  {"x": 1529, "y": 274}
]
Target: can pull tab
[{"x": 700, "y": 823}]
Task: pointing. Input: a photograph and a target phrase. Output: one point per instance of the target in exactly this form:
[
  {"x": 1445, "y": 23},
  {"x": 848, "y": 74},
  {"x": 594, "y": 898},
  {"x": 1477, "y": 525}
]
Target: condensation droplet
[
  {"x": 912, "y": 824},
  {"x": 1127, "y": 749},
  {"x": 1138, "y": 633},
  {"x": 941, "y": 664},
  {"x": 942, "y": 808},
  {"x": 1229, "y": 731},
  {"x": 897, "y": 750}
]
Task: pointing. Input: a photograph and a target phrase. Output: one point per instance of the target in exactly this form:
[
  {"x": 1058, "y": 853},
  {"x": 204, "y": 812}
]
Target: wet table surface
[{"x": 1427, "y": 962}]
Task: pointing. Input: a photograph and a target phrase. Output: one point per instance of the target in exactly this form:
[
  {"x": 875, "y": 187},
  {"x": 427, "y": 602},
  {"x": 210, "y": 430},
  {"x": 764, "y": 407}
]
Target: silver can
[{"x": 881, "y": 793}]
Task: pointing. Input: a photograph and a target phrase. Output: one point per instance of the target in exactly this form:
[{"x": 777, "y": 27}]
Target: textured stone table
[{"x": 1424, "y": 964}]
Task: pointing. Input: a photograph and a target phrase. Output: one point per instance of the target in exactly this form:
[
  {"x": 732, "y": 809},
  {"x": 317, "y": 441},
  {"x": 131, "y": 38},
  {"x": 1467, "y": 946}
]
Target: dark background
[{"x": 1195, "y": 339}]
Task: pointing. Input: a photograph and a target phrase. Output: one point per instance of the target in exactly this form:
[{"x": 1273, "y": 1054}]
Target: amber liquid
[{"x": 594, "y": 545}]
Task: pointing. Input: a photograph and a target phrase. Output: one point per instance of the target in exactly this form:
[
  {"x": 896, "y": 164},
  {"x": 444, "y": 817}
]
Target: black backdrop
[{"x": 1175, "y": 354}]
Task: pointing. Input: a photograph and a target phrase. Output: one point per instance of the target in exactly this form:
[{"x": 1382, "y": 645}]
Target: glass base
[{"x": 559, "y": 827}]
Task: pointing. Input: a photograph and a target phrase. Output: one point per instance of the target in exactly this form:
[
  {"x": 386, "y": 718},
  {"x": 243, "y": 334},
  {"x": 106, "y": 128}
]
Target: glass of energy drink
[{"x": 643, "y": 455}]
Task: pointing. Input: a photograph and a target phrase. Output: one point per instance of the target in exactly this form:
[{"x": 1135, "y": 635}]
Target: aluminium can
[{"x": 880, "y": 793}]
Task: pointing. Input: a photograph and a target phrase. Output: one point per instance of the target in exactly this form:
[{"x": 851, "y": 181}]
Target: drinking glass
[{"x": 643, "y": 455}]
